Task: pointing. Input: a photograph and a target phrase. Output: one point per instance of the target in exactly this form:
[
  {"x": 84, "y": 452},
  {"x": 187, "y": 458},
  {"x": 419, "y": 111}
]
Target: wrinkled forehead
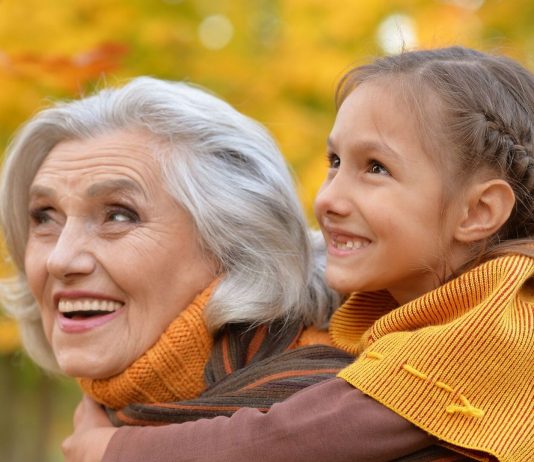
[
  {"x": 113, "y": 151},
  {"x": 118, "y": 159}
]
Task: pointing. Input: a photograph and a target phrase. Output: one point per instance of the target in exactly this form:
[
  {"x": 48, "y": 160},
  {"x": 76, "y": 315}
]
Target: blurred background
[{"x": 277, "y": 61}]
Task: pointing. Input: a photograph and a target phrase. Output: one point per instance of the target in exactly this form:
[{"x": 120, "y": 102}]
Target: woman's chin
[
  {"x": 99, "y": 353},
  {"x": 80, "y": 366}
]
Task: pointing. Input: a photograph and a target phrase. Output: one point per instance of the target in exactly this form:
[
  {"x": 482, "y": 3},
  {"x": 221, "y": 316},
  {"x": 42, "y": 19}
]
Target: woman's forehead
[{"x": 129, "y": 157}]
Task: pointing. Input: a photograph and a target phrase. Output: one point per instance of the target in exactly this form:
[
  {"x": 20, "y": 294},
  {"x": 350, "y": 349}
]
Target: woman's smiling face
[{"x": 111, "y": 257}]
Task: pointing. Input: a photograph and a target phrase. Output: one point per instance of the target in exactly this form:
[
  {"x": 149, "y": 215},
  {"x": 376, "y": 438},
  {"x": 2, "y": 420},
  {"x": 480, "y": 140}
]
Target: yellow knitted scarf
[
  {"x": 171, "y": 370},
  {"x": 457, "y": 362}
]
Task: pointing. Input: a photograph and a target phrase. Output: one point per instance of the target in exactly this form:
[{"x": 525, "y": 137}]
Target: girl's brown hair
[{"x": 485, "y": 116}]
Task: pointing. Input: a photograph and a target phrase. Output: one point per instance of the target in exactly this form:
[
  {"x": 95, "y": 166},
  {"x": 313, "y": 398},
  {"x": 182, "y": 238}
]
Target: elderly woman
[
  {"x": 124, "y": 210},
  {"x": 160, "y": 249}
]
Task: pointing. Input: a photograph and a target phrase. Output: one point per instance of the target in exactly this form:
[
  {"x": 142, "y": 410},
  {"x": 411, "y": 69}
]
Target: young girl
[
  {"x": 428, "y": 206},
  {"x": 428, "y": 215}
]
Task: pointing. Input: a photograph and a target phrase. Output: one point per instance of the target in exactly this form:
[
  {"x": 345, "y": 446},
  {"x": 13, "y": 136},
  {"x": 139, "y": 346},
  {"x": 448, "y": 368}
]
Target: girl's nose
[
  {"x": 333, "y": 199},
  {"x": 72, "y": 254}
]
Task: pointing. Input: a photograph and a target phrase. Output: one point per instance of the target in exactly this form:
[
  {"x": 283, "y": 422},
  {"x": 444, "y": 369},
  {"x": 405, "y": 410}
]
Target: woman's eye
[
  {"x": 333, "y": 160},
  {"x": 122, "y": 215},
  {"x": 376, "y": 168},
  {"x": 41, "y": 215}
]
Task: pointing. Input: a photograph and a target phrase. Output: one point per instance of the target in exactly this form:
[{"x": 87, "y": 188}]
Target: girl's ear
[{"x": 487, "y": 207}]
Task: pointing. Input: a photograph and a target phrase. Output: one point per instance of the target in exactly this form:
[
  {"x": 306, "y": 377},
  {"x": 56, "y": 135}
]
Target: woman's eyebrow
[
  {"x": 42, "y": 191},
  {"x": 106, "y": 187}
]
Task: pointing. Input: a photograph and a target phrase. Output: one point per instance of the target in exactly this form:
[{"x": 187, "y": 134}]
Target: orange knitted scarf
[
  {"x": 171, "y": 370},
  {"x": 457, "y": 362}
]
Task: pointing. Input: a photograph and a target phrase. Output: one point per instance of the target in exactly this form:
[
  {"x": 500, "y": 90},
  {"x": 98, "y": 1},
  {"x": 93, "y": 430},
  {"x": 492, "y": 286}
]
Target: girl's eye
[
  {"x": 122, "y": 214},
  {"x": 376, "y": 168},
  {"x": 333, "y": 160}
]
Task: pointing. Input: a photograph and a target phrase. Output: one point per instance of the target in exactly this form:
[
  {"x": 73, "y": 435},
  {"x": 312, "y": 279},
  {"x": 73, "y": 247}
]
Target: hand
[{"x": 92, "y": 433}]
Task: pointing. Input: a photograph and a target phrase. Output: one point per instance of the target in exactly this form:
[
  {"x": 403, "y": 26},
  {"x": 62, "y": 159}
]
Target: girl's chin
[{"x": 341, "y": 284}]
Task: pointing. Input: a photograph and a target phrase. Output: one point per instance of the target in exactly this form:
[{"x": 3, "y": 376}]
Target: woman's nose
[
  {"x": 333, "y": 198},
  {"x": 72, "y": 253}
]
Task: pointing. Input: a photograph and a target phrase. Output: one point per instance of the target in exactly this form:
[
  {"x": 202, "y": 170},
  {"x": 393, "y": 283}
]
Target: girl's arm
[
  {"x": 91, "y": 436},
  {"x": 329, "y": 421}
]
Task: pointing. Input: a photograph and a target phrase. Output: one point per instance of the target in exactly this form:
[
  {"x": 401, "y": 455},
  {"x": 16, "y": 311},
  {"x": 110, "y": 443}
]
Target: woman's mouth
[
  {"x": 83, "y": 314},
  {"x": 85, "y": 308}
]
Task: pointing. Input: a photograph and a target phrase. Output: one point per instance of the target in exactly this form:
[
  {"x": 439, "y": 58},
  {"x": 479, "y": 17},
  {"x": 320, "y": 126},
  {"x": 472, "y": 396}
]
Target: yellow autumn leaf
[{"x": 9, "y": 336}]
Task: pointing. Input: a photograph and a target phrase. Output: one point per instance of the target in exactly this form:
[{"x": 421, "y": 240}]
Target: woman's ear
[{"x": 487, "y": 207}]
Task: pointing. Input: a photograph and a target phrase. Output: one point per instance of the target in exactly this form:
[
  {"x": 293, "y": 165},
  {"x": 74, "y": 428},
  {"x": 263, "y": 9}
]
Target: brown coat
[{"x": 330, "y": 421}]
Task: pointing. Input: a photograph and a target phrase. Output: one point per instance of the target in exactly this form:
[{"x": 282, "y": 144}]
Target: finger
[
  {"x": 87, "y": 446},
  {"x": 78, "y": 414},
  {"x": 90, "y": 414},
  {"x": 91, "y": 404},
  {"x": 66, "y": 449}
]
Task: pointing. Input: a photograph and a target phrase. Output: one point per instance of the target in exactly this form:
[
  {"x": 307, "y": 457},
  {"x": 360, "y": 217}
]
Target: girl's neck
[
  {"x": 405, "y": 294},
  {"x": 457, "y": 258}
]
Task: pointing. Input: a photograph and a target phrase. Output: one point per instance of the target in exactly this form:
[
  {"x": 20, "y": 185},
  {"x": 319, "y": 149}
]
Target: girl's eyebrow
[
  {"x": 329, "y": 142},
  {"x": 370, "y": 146}
]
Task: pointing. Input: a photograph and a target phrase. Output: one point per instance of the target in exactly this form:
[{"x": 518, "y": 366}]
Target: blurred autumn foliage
[{"x": 275, "y": 60}]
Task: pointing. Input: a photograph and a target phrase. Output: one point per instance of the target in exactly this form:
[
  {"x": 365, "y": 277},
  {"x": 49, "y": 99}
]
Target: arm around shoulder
[{"x": 329, "y": 421}]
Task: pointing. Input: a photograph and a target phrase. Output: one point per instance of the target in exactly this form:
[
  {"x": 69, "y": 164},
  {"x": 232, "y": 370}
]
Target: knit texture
[
  {"x": 256, "y": 367},
  {"x": 249, "y": 367},
  {"x": 457, "y": 362},
  {"x": 172, "y": 369},
  {"x": 313, "y": 336}
]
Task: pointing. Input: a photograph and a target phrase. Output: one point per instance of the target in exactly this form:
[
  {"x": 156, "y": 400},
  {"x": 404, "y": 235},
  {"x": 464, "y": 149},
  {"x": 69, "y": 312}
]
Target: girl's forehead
[
  {"x": 373, "y": 108},
  {"x": 377, "y": 113}
]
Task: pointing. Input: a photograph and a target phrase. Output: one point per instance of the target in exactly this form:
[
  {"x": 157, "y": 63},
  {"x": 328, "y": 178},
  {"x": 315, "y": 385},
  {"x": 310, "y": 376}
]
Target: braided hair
[{"x": 475, "y": 113}]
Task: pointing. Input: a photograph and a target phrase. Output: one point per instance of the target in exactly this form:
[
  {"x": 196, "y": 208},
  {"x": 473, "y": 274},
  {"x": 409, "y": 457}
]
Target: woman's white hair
[{"x": 221, "y": 166}]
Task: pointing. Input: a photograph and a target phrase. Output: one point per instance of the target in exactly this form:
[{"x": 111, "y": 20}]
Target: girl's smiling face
[
  {"x": 111, "y": 257},
  {"x": 380, "y": 206}
]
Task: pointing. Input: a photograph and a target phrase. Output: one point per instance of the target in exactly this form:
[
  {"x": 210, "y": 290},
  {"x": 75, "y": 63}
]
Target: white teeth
[
  {"x": 349, "y": 245},
  {"x": 68, "y": 306}
]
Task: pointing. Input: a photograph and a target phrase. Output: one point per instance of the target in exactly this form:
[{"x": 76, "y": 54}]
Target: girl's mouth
[{"x": 350, "y": 244}]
